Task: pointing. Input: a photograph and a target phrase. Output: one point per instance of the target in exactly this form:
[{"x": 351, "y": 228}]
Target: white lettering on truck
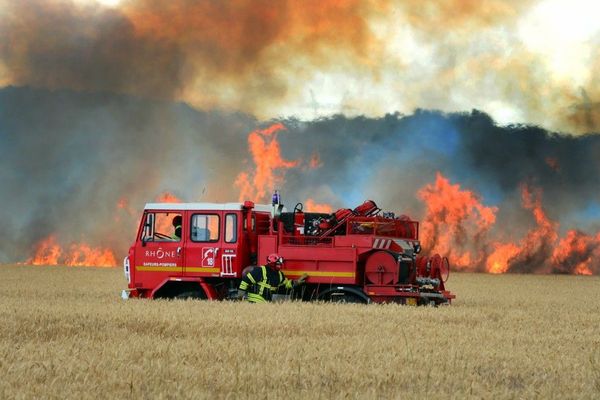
[{"x": 160, "y": 253}]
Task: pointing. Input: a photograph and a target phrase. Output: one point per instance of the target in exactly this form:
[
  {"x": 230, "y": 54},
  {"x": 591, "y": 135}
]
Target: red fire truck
[{"x": 200, "y": 250}]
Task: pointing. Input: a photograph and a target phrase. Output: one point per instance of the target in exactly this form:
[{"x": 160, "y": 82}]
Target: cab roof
[{"x": 205, "y": 207}]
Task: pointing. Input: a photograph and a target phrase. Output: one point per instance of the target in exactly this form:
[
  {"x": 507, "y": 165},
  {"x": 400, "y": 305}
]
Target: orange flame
[
  {"x": 498, "y": 261},
  {"x": 533, "y": 246},
  {"x": 543, "y": 246},
  {"x": 452, "y": 216},
  {"x": 457, "y": 224},
  {"x": 545, "y": 233},
  {"x": 83, "y": 255},
  {"x": 266, "y": 154},
  {"x": 49, "y": 252},
  {"x": 312, "y": 206},
  {"x": 533, "y": 202},
  {"x": 167, "y": 197},
  {"x": 576, "y": 251}
]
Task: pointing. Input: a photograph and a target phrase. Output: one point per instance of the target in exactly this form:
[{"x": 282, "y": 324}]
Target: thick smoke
[
  {"x": 106, "y": 108},
  {"x": 77, "y": 165},
  {"x": 218, "y": 54},
  {"x": 306, "y": 58},
  {"x": 81, "y": 165},
  {"x": 60, "y": 45}
]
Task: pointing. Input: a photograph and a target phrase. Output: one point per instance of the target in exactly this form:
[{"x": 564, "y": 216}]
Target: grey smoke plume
[{"x": 68, "y": 159}]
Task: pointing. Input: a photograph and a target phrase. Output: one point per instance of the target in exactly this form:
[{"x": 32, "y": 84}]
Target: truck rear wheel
[{"x": 344, "y": 296}]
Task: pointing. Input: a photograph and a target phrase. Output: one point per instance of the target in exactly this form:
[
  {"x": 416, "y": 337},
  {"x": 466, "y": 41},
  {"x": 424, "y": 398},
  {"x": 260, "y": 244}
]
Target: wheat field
[{"x": 67, "y": 334}]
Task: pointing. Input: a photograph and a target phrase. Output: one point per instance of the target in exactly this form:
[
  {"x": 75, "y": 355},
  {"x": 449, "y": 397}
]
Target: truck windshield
[{"x": 162, "y": 227}]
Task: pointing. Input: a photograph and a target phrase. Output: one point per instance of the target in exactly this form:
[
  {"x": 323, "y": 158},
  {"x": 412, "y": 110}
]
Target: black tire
[
  {"x": 344, "y": 297},
  {"x": 428, "y": 302},
  {"x": 191, "y": 295}
]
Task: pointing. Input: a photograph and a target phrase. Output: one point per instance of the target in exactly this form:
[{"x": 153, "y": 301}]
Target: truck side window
[
  {"x": 230, "y": 228},
  {"x": 148, "y": 227},
  {"x": 205, "y": 228}
]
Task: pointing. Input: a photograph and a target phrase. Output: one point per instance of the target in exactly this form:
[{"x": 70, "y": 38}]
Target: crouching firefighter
[{"x": 262, "y": 282}]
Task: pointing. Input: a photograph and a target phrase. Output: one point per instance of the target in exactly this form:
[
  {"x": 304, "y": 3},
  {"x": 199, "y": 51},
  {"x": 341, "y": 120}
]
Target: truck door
[
  {"x": 158, "y": 252},
  {"x": 232, "y": 257},
  {"x": 204, "y": 249}
]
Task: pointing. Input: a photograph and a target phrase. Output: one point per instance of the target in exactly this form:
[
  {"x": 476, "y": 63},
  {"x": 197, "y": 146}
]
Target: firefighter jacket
[
  {"x": 262, "y": 282},
  {"x": 177, "y": 233}
]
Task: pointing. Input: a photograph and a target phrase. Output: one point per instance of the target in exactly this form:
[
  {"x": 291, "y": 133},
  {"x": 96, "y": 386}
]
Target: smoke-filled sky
[
  {"x": 520, "y": 61},
  {"x": 494, "y": 105}
]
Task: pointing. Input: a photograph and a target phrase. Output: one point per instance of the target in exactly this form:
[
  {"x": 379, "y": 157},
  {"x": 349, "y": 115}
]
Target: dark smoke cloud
[
  {"x": 265, "y": 58},
  {"x": 161, "y": 49},
  {"x": 58, "y": 44},
  {"x": 67, "y": 159},
  {"x": 468, "y": 147}
]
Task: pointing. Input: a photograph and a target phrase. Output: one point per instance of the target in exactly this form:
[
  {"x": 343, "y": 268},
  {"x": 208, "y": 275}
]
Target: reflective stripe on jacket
[{"x": 262, "y": 282}]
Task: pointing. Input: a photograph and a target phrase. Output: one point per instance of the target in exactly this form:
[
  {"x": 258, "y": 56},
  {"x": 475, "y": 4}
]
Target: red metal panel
[
  {"x": 267, "y": 244},
  {"x": 322, "y": 264},
  {"x": 353, "y": 241}
]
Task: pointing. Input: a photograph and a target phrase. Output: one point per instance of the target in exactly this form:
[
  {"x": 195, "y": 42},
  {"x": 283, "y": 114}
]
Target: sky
[{"x": 479, "y": 118}]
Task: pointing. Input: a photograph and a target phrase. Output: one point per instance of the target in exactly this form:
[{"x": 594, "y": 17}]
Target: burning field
[
  {"x": 479, "y": 119},
  {"x": 487, "y": 134},
  {"x": 67, "y": 334},
  {"x": 534, "y": 219}
]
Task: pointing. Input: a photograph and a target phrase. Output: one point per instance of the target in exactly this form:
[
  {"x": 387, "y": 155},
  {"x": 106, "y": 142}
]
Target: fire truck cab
[
  {"x": 216, "y": 241},
  {"x": 200, "y": 250}
]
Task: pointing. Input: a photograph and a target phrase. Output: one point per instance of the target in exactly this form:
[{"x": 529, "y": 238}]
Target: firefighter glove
[
  {"x": 301, "y": 280},
  {"x": 241, "y": 294}
]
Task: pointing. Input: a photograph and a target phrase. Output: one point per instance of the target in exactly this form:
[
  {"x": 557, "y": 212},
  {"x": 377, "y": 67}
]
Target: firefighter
[
  {"x": 262, "y": 282},
  {"x": 176, "y": 228}
]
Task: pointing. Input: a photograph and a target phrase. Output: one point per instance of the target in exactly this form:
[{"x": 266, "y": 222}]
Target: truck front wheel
[{"x": 193, "y": 295}]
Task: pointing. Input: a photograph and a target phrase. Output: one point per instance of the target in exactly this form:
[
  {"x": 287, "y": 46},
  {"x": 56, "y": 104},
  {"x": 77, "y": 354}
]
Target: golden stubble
[{"x": 66, "y": 333}]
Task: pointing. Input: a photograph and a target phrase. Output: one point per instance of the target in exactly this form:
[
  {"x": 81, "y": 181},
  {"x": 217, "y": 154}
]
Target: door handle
[{"x": 179, "y": 251}]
